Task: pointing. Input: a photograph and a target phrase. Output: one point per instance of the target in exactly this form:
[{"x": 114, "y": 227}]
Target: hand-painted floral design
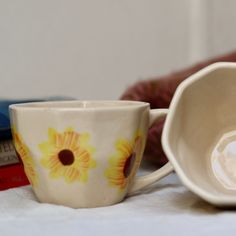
[
  {"x": 23, "y": 153},
  {"x": 124, "y": 163},
  {"x": 67, "y": 155}
]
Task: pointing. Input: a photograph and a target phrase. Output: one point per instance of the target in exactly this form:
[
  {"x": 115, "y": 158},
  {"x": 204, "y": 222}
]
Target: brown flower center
[
  {"x": 66, "y": 157},
  {"x": 129, "y": 164}
]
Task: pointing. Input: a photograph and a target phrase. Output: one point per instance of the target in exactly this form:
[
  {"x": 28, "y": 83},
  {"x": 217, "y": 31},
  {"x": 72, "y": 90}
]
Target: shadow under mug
[{"x": 84, "y": 153}]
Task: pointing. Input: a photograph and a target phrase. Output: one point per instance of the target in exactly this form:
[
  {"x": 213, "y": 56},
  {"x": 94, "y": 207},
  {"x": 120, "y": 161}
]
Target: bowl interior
[{"x": 201, "y": 135}]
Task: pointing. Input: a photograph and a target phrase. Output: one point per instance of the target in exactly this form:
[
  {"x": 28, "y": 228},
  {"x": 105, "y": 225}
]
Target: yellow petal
[
  {"x": 52, "y": 135},
  {"x": 92, "y": 163},
  {"x": 46, "y": 148},
  {"x": 125, "y": 147}
]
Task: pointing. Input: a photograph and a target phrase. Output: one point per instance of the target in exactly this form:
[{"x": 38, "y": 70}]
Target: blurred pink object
[{"x": 159, "y": 92}]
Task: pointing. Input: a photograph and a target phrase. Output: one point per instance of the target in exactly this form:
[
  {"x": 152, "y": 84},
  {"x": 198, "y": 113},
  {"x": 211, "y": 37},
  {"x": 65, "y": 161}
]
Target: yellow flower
[
  {"x": 23, "y": 153},
  {"x": 67, "y": 155},
  {"x": 124, "y": 163}
]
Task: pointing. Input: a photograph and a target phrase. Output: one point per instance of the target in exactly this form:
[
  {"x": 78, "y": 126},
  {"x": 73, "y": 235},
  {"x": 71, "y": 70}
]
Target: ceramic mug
[
  {"x": 199, "y": 135},
  {"x": 84, "y": 153}
]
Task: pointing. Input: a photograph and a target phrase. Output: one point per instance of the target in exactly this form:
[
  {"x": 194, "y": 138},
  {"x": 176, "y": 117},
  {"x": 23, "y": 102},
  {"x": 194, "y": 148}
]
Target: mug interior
[{"x": 201, "y": 137}]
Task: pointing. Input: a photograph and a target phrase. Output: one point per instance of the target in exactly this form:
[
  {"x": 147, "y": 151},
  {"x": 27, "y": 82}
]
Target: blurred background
[{"x": 96, "y": 49}]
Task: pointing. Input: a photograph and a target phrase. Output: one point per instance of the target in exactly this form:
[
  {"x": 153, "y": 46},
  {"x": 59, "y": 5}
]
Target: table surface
[{"x": 165, "y": 208}]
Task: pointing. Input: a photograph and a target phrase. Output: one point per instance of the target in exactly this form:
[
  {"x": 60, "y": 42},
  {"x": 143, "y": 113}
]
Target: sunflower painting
[
  {"x": 124, "y": 163},
  {"x": 67, "y": 155},
  {"x": 23, "y": 153}
]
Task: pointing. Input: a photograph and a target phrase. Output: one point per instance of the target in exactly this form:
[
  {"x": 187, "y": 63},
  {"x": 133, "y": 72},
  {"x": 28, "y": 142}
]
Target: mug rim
[{"x": 79, "y": 105}]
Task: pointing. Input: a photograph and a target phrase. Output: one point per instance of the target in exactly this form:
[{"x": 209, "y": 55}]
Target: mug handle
[{"x": 143, "y": 181}]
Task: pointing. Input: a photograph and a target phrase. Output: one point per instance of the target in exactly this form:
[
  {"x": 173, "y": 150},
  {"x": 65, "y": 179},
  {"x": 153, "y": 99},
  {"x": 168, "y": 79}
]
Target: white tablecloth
[{"x": 166, "y": 208}]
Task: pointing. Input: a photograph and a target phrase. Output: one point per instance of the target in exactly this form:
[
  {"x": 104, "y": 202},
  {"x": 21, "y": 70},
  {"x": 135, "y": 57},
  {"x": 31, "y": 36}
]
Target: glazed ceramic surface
[
  {"x": 83, "y": 153},
  {"x": 199, "y": 136}
]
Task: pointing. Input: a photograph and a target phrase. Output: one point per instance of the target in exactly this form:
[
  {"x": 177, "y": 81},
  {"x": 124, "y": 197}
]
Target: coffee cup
[
  {"x": 199, "y": 135},
  {"x": 84, "y": 153}
]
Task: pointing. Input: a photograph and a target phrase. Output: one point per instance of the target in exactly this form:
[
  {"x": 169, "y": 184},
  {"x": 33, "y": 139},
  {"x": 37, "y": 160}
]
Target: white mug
[{"x": 84, "y": 153}]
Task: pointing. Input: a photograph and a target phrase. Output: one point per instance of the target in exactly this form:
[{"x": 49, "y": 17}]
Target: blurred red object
[
  {"x": 12, "y": 176},
  {"x": 11, "y": 167},
  {"x": 159, "y": 92}
]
